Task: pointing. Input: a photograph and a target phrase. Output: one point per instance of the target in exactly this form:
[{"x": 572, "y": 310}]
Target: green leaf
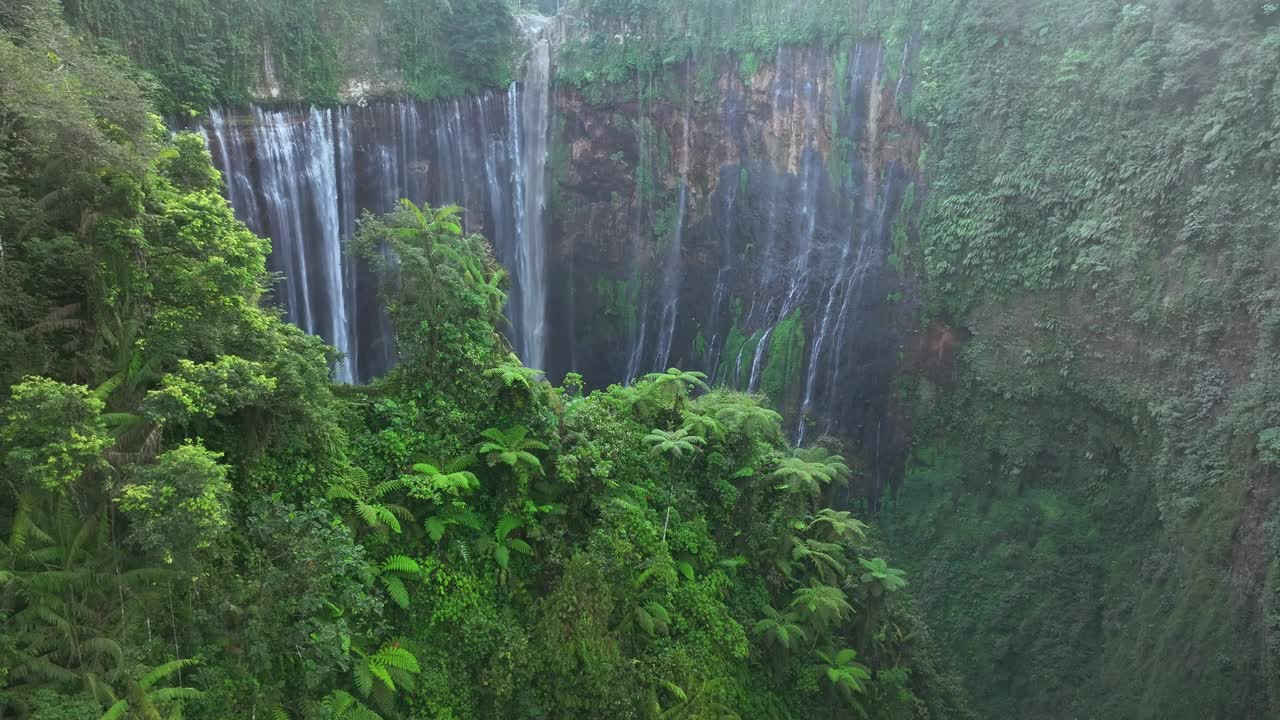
[{"x": 396, "y": 589}]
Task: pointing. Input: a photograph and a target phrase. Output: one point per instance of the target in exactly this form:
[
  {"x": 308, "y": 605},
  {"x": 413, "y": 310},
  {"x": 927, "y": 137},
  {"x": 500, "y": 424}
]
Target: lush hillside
[
  {"x": 1102, "y": 229},
  {"x": 1080, "y": 252},
  {"x": 196, "y": 523},
  {"x": 205, "y": 53}
]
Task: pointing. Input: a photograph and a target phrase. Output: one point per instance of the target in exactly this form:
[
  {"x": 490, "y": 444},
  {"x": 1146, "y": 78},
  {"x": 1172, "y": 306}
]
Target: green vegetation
[
  {"x": 1101, "y": 219},
  {"x": 618, "y": 39},
  {"x": 204, "y": 53},
  {"x": 784, "y": 359},
  {"x": 197, "y": 523}
]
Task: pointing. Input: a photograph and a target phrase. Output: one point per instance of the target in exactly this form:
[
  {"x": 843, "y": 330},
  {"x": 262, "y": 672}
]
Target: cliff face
[
  {"x": 1087, "y": 412},
  {"x": 746, "y": 222}
]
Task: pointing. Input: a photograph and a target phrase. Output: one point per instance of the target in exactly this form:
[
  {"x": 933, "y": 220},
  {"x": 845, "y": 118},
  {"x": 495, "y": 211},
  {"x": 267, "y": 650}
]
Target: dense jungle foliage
[
  {"x": 196, "y": 523},
  {"x": 1102, "y": 227},
  {"x": 204, "y": 53}
]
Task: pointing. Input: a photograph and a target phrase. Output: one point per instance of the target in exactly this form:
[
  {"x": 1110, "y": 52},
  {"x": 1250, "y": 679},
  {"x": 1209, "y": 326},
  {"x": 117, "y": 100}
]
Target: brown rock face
[{"x": 749, "y": 226}]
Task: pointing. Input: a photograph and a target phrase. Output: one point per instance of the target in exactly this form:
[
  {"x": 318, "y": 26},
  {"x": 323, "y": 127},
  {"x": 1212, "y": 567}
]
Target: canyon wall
[{"x": 745, "y": 224}]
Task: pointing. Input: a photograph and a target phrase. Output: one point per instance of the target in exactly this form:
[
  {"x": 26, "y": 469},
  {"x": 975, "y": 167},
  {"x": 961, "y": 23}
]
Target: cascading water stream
[
  {"x": 781, "y": 287},
  {"x": 301, "y": 177},
  {"x": 532, "y": 249},
  {"x": 673, "y": 271}
]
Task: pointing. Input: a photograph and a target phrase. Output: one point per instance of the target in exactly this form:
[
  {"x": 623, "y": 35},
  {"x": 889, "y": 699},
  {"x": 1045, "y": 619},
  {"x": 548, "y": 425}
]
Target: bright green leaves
[
  {"x": 393, "y": 572},
  {"x": 512, "y": 374},
  {"x": 674, "y": 385},
  {"x": 179, "y": 503},
  {"x": 673, "y": 444},
  {"x": 54, "y": 434},
  {"x": 821, "y": 605},
  {"x": 377, "y": 516},
  {"x": 203, "y": 390},
  {"x": 803, "y": 477},
  {"x": 880, "y": 577},
  {"x": 841, "y": 672},
  {"x": 780, "y": 629},
  {"x": 514, "y": 449},
  {"x": 504, "y": 543},
  {"x": 429, "y": 482}
]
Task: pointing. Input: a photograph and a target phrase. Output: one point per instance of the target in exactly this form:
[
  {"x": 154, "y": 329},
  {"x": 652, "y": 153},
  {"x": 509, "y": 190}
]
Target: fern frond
[
  {"x": 381, "y": 673},
  {"x": 401, "y": 564},
  {"x": 364, "y": 682},
  {"x": 169, "y": 694},
  {"x": 396, "y": 589},
  {"x": 161, "y": 672},
  {"x": 506, "y": 524},
  {"x": 117, "y": 711},
  {"x": 398, "y": 657}
]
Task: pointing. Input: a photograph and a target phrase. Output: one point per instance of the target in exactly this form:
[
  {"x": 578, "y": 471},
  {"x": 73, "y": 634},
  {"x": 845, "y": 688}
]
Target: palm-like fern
[
  {"x": 694, "y": 699},
  {"x": 836, "y": 526},
  {"x": 820, "y": 605},
  {"x": 780, "y": 629},
  {"x": 741, "y": 415},
  {"x": 826, "y": 559},
  {"x": 703, "y": 426},
  {"x": 59, "y": 584},
  {"x": 880, "y": 578},
  {"x": 842, "y": 674},
  {"x": 378, "y": 516},
  {"x": 803, "y": 477},
  {"x": 143, "y": 700},
  {"x": 389, "y": 665},
  {"x": 504, "y": 543},
  {"x": 457, "y": 517},
  {"x": 675, "y": 384},
  {"x": 430, "y": 482},
  {"x": 342, "y": 705},
  {"x": 672, "y": 444},
  {"x": 512, "y": 374},
  {"x": 393, "y": 572},
  {"x": 512, "y": 447}
]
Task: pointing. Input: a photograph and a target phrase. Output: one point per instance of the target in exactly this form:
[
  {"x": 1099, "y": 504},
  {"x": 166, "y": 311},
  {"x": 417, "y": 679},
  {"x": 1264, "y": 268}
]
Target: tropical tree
[
  {"x": 513, "y": 375},
  {"x": 695, "y": 699},
  {"x": 879, "y": 578},
  {"x": 673, "y": 445},
  {"x": 803, "y": 477},
  {"x": 503, "y": 543},
  {"x": 741, "y": 415},
  {"x": 843, "y": 676},
  {"x": 780, "y": 629},
  {"x": 142, "y": 699},
  {"x": 513, "y": 448},
  {"x": 703, "y": 426},
  {"x": 429, "y": 482},
  {"x": 820, "y": 605},
  {"x": 674, "y": 384},
  {"x": 826, "y": 559},
  {"x": 836, "y": 526},
  {"x": 393, "y": 572},
  {"x": 377, "y": 516},
  {"x": 454, "y": 517}
]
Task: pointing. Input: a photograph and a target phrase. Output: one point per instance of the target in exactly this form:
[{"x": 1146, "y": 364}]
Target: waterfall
[
  {"x": 531, "y": 251},
  {"x": 301, "y": 177},
  {"x": 673, "y": 271},
  {"x": 286, "y": 185},
  {"x": 802, "y": 193}
]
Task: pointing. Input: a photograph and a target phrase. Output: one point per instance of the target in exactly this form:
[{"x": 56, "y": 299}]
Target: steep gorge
[
  {"x": 1062, "y": 362},
  {"x": 742, "y": 225}
]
